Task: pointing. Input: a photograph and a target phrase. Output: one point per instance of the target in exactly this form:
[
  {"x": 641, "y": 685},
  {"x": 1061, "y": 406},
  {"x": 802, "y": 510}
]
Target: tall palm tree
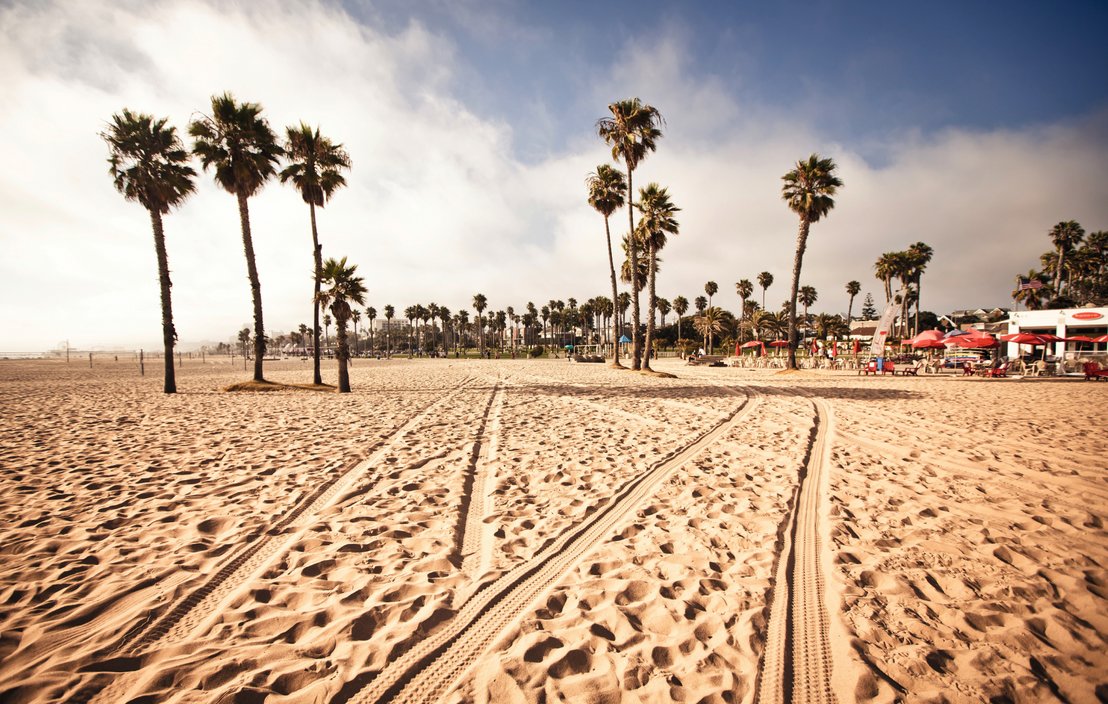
[
  {"x": 765, "y": 280},
  {"x": 148, "y": 164},
  {"x": 341, "y": 288},
  {"x": 355, "y": 317},
  {"x": 371, "y": 315},
  {"x": 390, "y": 312},
  {"x": 642, "y": 267},
  {"x": 410, "y": 314},
  {"x": 807, "y": 191},
  {"x": 853, "y": 288},
  {"x": 701, "y": 303},
  {"x": 744, "y": 289},
  {"x": 711, "y": 288},
  {"x": 303, "y": 330},
  {"x": 606, "y": 194},
  {"x": 708, "y": 323},
  {"x": 237, "y": 143},
  {"x": 632, "y": 132},
  {"x": 885, "y": 270},
  {"x": 433, "y": 313},
  {"x": 314, "y": 167},
  {"x": 479, "y": 305},
  {"x": 327, "y": 330},
  {"x": 920, "y": 254},
  {"x": 664, "y": 307},
  {"x": 1065, "y": 236},
  {"x": 680, "y": 307},
  {"x": 807, "y": 296},
  {"x": 656, "y": 223}
]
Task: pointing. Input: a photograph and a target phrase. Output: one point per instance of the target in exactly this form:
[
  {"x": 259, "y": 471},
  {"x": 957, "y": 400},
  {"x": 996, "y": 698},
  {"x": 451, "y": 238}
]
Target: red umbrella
[
  {"x": 1078, "y": 338},
  {"x": 1049, "y": 337},
  {"x": 1102, "y": 338},
  {"x": 779, "y": 343},
  {"x": 928, "y": 344},
  {"x": 928, "y": 335},
  {"x": 974, "y": 341},
  {"x": 1024, "y": 338},
  {"x": 752, "y": 343}
]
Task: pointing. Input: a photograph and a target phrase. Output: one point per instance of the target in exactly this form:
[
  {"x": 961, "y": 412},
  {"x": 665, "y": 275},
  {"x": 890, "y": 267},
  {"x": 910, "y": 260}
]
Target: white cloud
[{"x": 439, "y": 205}]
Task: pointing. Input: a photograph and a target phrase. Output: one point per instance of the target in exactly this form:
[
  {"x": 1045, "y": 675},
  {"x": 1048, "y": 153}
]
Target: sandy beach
[{"x": 541, "y": 531}]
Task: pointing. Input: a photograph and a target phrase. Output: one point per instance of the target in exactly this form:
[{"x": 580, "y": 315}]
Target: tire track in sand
[
  {"x": 474, "y": 536},
  {"x": 433, "y": 667},
  {"x": 797, "y": 660},
  {"x": 202, "y": 606}
]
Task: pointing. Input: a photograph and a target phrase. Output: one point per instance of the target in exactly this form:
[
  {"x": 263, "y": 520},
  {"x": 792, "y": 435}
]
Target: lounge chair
[
  {"x": 1001, "y": 371},
  {"x": 913, "y": 370},
  {"x": 1037, "y": 369},
  {"x": 1093, "y": 372}
]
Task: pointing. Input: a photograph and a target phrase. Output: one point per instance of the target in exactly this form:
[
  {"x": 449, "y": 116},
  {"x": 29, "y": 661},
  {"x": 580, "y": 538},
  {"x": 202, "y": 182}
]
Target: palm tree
[
  {"x": 632, "y": 132},
  {"x": 920, "y": 254},
  {"x": 371, "y": 314},
  {"x": 423, "y": 314},
  {"x": 303, "y": 330},
  {"x": 744, "y": 289},
  {"x": 708, "y": 323},
  {"x": 807, "y": 296},
  {"x": 238, "y": 144},
  {"x": 664, "y": 307},
  {"x": 641, "y": 265},
  {"x": 853, "y": 288},
  {"x": 327, "y": 331},
  {"x": 479, "y": 305},
  {"x": 433, "y": 313},
  {"x": 390, "y": 312},
  {"x": 355, "y": 317},
  {"x": 148, "y": 164},
  {"x": 765, "y": 280},
  {"x": 807, "y": 191},
  {"x": 314, "y": 169},
  {"x": 680, "y": 307},
  {"x": 444, "y": 316},
  {"x": 1065, "y": 236},
  {"x": 606, "y": 194},
  {"x": 885, "y": 269},
  {"x": 711, "y": 288},
  {"x": 701, "y": 303},
  {"x": 341, "y": 288},
  {"x": 656, "y": 223}
]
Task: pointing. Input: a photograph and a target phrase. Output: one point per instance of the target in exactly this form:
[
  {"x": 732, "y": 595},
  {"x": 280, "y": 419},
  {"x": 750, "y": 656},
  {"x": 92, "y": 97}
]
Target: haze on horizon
[{"x": 471, "y": 127}]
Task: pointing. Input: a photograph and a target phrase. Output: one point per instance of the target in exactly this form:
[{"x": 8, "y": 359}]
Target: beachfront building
[{"x": 1064, "y": 322}]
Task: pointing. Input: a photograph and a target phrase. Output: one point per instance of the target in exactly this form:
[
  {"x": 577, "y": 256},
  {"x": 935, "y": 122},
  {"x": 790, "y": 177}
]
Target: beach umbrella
[
  {"x": 955, "y": 333},
  {"x": 624, "y": 338},
  {"x": 928, "y": 344},
  {"x": 569, "y": 347},
  {"x": 749, "y": 345},
  {"x": 974, "y": 341},
  {"x": 1023, "y": 338},
  {"x": 857, "y": 346},
  {"x": 779, "y": 343},
  {"x": 928, "y": 335},
  {"x": 1078, "y": 338},
  {"x": 1102, "y": 338}
]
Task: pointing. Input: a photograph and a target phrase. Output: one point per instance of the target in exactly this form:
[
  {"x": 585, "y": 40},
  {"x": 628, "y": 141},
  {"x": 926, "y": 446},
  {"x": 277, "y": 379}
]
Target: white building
[{"x": 1065, "y": 322}]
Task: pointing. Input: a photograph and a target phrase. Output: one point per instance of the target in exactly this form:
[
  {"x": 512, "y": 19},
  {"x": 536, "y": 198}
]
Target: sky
[{"x": 971, "y": 126}]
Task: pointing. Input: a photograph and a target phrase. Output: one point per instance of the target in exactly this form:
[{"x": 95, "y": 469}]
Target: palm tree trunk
[
  {"x": 169, "y": 334},
  {"x": 615, "y": 298},
  {"x": 1058, "y": 272},
  {"x": 915, "y": 327},
  {"x": 636, "y": 341},
  {"x": 343, "y": 353},
  {"x": 849, "y": 309},
  {"x": 801, "y": 244},
  {"x": 255, "y": 288},
  {"x": 652, "y": 304},
  {"x": 317, "y": 250}
]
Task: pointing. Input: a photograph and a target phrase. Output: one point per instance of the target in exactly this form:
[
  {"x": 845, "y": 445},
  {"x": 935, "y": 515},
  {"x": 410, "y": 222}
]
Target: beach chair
[
  {"x": 913, "y": 370},
  {"x": 1001, "y": 371},
  {"x": 870, "y": 368},
  {"x": 889, "y": 368},
  {"x": 1093, "y": 372},
  {"x": 1037, "y": 369}
]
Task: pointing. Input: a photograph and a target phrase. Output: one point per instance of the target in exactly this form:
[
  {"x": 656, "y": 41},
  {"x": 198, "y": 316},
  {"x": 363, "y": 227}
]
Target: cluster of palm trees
[
  {"x": 632, "y": 131},
  {"x": 907, "y": 267},
  {"x": 1072, "y": 274},
  {"x": 149, "y": 164}
]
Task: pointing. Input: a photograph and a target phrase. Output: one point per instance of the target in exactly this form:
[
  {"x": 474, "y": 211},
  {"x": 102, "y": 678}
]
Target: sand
[{"x": 540, "y": 531}]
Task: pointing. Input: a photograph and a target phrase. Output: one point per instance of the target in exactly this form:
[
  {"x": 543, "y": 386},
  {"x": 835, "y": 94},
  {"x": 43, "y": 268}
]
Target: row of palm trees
[
  {"x": 149, "y": 164},
  {"x": 1073, "y": 273},
  {"x": 907, "y": 267}
]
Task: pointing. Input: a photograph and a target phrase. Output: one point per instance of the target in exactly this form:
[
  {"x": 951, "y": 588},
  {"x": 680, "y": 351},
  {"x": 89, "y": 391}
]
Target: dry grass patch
[{"x": 274, "y": 386}]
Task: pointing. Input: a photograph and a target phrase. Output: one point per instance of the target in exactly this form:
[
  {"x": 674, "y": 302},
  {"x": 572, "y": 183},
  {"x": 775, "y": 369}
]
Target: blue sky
[{"x": 971, "y": 126}]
